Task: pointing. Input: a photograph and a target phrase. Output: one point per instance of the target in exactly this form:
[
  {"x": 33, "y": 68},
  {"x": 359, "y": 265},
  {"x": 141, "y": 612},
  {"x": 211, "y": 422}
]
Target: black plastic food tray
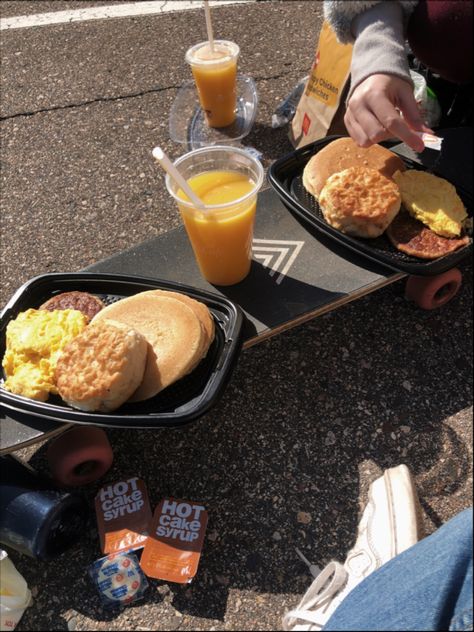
[
  {"x": 177, "y": 405},
  {"x": 286, "y": 177}
]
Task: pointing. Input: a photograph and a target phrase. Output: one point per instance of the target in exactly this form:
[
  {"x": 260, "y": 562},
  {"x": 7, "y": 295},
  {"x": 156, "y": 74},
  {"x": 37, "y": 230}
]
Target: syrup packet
[
  {"x": 119, "y": 579},
  {"x": 173, "y": 547},
  {"x": 123, "y": 515}
]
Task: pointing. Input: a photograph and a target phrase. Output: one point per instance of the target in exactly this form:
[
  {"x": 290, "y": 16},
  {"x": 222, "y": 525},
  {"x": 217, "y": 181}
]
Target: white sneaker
[{"x": 389, "y": 525}]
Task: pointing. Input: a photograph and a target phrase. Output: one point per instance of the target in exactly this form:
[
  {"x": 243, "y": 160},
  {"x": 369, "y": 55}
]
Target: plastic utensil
[{"x": 313, "y": 569}]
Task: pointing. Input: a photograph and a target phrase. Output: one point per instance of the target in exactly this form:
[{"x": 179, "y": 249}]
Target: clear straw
[
  {"x": 210, "y": 35},
  {"x": 160, "y": 156}
]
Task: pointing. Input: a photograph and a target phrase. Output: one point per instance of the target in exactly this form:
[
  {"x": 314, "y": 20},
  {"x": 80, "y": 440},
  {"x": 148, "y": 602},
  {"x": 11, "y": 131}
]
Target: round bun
[
  {"x": 101, "y": 367},
  {"x": 343, "y": 153},
  {"x": 173, "y": 332},
  {"x": 360, "y": 201},
  {"x": 84, "y": 302}
]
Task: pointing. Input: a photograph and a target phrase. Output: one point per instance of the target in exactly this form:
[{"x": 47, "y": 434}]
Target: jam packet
[
  {"x": 173, "y": 547},
  {"x": 119, "y": 579},
  {"x": 123, "y": 515}
]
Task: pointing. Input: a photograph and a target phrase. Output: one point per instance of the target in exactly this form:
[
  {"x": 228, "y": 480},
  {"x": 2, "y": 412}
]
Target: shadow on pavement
[{"x": 304, "y": 419}]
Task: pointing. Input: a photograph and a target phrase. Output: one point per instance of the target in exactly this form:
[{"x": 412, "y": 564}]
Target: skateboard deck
[{"x": 297, "y": 274}]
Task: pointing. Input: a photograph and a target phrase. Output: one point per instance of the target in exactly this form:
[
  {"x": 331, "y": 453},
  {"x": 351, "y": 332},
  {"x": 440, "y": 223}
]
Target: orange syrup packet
[
  {"x": 123, "y": 515},
  {"x": 173, "y": 547}
]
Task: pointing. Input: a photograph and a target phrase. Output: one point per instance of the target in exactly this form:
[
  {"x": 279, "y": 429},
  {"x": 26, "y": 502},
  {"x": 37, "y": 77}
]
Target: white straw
[
  {"x": 210, "y": 35},
  {"x": 174, "y": 174},
  {"x": 313, "y": 569}
]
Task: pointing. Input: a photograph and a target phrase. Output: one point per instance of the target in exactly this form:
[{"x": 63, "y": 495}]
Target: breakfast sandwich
[
  {"x": 412, "y": 237},
  {"x": 360, "y": 201},
  {"x": 342, "y": 154},
  {"x": 433, "y": 201}
]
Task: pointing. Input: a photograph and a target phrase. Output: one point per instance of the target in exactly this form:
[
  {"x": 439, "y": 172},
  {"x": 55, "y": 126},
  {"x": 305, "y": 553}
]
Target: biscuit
[
  {"x": 342, "y": 154},
  {"x": 84, "y": 302},
  {"x": 173, "y": 332},
  {"x": 101, "y": 368},
  {"x": 360, "y": 201}
]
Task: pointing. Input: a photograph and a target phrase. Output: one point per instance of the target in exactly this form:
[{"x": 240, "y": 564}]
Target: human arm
[{"x": 381, "y": 85}]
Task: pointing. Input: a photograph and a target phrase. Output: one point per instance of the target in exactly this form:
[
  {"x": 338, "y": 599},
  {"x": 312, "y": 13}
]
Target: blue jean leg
[{"x": 427, "y": 587}]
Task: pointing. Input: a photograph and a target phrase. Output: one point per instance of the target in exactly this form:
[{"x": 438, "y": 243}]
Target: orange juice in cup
[
  {"x": 227, "y": 181},
  {"x": 215, "y": 74}
]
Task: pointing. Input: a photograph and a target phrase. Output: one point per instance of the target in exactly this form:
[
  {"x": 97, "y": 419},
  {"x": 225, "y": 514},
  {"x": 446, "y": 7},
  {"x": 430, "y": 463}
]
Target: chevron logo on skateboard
[{"x": 277, "y": 255}]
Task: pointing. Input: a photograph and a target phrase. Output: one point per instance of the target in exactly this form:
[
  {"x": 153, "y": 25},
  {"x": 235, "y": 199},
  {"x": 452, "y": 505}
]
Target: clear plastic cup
[
  {"x": 15, "y": 595},
  {"x": 215, "y": 76},
  {"x": 227, "y": 180}
]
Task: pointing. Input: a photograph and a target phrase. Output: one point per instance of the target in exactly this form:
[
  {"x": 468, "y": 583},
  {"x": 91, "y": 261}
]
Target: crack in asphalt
[
  {"x": 105, "y": 99},
  {"x": 90, "y": 102}
]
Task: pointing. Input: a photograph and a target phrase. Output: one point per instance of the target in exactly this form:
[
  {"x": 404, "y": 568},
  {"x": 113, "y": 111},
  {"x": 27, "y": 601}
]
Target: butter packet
[
  {"x": 118, "y": 579},
  {"x": 123, "y": 515},
  {"x": 173, "y": 547},
  {"x": 431, "y": 141}
]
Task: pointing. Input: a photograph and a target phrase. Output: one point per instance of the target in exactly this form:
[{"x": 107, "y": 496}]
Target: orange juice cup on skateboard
[
  {"x": 227, "y": 180},
  {"x": 214, "y": 70}
]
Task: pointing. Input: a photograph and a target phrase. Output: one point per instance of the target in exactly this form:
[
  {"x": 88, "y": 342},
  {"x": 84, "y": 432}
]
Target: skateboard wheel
[
  {"x": 36, "y": 518},
  {"x": 433, "y": 292},
  {"x": 80, "y": 456}
]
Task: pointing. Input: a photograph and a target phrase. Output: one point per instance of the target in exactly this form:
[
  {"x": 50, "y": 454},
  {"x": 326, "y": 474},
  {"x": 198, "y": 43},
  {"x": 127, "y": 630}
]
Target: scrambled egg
[
  {"x": 34, "y": 341},
  {"x": 432, "y": 200}
]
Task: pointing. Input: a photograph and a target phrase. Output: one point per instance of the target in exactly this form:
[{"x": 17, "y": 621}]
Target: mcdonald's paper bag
[{"x": 320, "y": 111}]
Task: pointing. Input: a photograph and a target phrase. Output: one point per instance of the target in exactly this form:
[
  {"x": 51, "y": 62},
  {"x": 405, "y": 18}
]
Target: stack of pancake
[
  {"x": 178, "y": 329},
  {"x": 133, "y": 349},
  {"x": 368, "y": 192}
]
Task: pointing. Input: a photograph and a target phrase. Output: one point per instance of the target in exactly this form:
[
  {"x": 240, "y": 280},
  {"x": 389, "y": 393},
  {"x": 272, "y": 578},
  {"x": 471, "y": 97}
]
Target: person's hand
[{"x": 373, "y": 112}]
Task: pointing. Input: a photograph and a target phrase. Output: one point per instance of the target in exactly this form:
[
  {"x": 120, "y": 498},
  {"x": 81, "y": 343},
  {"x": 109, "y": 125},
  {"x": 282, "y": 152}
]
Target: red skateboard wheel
[
  {"x": 433, "y": 292},
  {"x": 80, "y": 456}
]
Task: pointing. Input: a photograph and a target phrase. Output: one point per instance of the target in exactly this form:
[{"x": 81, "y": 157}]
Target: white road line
[{"x": 113, "y": 11}]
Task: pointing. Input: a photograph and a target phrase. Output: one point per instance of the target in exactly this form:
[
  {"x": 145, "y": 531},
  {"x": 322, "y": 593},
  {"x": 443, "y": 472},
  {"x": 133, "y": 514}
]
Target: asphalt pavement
[{"x": 310, "y": 417}]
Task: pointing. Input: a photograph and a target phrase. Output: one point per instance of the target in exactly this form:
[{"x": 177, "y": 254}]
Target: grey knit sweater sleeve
[
  {"x": 341, "y": 13},
  {"x": 377, "y": 30}
]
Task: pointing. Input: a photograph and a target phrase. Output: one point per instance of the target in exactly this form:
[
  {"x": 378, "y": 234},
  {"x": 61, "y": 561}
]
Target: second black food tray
[{"x": 286, "y": 177}]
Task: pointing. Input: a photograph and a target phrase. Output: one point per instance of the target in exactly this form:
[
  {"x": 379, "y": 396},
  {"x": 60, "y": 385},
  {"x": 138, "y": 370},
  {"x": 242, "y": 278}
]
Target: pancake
[
  {"x": 84, "y": 302},
  {"x": 101, "y": 367},
  {"x": 343, "y": 153},
  {"x": 200, "y": 309},
  {"x": 173, "y": 332},
  {"x": 412, "y": 237},
  {"x": 360, "y": 202}
]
